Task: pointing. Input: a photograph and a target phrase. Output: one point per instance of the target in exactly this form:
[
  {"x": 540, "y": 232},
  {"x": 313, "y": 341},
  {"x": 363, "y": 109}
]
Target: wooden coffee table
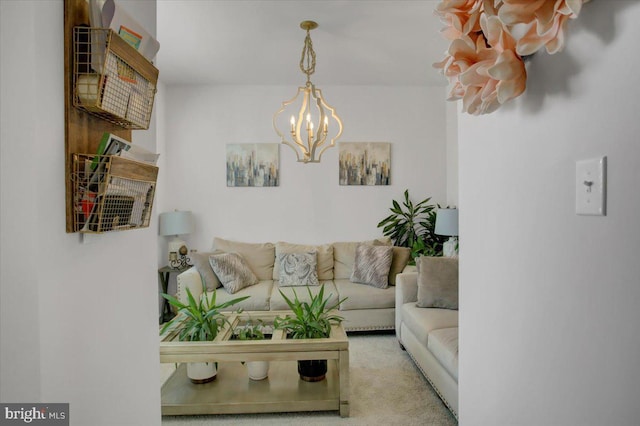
[{"x": 233, "y": 392}]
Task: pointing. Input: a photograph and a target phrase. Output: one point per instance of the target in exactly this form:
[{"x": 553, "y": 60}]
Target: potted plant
[
  {"x": 253, "y": 330},
  {"x": 310, "y": 320},
  {"x": 199, "y": 321},
  {"x": 413, "y": 226}
]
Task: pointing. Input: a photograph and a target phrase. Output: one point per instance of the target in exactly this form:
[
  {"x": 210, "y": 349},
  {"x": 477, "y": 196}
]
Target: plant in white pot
[
  {"x": 199, "y": 321},
  {"x": 253, "y": 330},
  {"x": 310, "y": 320}
]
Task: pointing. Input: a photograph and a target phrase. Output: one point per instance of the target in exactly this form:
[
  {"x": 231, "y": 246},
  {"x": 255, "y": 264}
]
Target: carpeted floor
[{"x": 386, "y": 389}]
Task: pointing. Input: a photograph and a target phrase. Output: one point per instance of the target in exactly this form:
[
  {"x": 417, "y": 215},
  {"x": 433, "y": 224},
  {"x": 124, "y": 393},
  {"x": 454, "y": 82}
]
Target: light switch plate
[{"x": 591, "y": 187}]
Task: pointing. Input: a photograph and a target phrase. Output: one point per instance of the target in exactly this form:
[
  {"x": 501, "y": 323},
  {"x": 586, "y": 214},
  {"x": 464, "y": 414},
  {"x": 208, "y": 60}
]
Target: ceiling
[{"x": 260, "y": 42}]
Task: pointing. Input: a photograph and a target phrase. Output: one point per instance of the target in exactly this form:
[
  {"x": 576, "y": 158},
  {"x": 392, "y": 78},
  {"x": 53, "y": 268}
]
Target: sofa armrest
[
  {"x": 189, "y": 279},
  {"x": 410, "y": 268},
  {"x": 406, "y": 292}
]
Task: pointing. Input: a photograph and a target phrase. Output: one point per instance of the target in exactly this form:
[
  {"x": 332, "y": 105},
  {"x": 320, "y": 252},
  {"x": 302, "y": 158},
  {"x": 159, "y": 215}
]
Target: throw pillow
[
  {"x": 259, "y": 256},
  {"x": 401, "y": 256},
  {"x": 372, "y": 265},
  {"x": 437, "y": 282},
  {"x": 344, "y": 255},
  {"x": 325, "y": 258},
  {"x": 298, "y": 269},
  {"x": 202, "y": 265},
  {"x": 232, "y": 271}
]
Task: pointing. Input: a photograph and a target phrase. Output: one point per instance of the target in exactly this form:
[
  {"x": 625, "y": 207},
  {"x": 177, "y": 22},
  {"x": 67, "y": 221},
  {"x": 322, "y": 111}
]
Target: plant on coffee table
[
  {"x": 310, "y": 320},
  {"x": 253, "y": 330},
  {"x": 199, "y": 321}
]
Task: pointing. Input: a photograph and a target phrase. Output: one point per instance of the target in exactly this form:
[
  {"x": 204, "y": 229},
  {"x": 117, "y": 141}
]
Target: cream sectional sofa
[
  {"x": 366, "y": 307},
  {"x": 430, "y": 337}
]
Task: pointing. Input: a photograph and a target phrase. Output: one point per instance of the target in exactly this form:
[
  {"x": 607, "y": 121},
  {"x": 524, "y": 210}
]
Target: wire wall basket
[
  {"x": 111, "y": 193},
  {"x": 111, "y": 79}
]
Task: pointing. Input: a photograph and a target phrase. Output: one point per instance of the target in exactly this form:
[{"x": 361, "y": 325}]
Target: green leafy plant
[
  {"x": 251, "y": 330},
  {"x": 204, "y": 318},
  {"x": 412, "y": 225},
  {"x": 402, "y": 225},
  {"x": 309, "y": 320}
]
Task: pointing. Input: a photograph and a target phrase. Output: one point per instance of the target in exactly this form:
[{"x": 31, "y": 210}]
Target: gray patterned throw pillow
[
  {"x": 372, "y": 265},
  {"x": 232, "y": 271},
  {"x": 298, "y": 269}
]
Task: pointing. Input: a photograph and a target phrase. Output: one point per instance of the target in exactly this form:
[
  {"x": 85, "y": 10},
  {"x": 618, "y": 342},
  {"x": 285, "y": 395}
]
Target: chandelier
[{"x": 314, "y": 126}]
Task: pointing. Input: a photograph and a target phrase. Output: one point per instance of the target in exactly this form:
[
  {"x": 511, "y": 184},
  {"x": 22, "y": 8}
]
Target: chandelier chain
[{"x": 308, "y": 59}]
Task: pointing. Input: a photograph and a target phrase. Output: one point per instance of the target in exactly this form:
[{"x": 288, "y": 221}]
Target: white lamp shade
[
  {"x": 176, "y": 223},
  {"x": 447, "y": 222}
]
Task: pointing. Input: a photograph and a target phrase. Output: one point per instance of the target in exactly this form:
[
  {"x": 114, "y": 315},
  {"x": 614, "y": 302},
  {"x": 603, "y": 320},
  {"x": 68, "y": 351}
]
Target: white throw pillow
[{"x": 298, "y": 269}]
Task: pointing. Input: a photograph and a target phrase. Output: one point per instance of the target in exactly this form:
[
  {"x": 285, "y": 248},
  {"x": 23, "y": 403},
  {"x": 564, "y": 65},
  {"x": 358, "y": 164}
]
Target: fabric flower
[
  {"x": 484, "y": 72},
  {"x": 461, "y": 17},
  {"x": 546, "y": 20},
  {"x": 484, "y": 60}
]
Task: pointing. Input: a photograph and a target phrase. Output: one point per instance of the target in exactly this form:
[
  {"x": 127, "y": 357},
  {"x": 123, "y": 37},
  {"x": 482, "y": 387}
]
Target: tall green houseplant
[{"x": 412, "y": 225}]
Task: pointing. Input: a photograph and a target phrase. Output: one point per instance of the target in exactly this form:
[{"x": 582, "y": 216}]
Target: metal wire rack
[
  {"x": 111, "y": 193},
  {"x": 111, "y": 79}
]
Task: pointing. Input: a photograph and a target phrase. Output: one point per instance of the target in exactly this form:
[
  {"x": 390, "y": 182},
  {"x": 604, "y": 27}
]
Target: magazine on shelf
[
  {"x": 110, "y": 144},
  {"x": 140, "y": 154},
  {"x": 114, "y": 16},
  {"x": 110, "y": 14}
]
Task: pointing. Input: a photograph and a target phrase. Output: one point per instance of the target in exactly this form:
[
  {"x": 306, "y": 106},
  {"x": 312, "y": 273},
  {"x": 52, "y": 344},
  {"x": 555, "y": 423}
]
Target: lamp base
[
  {"x": 178, "y": 254},
  {"x": 449, "y": 247}
]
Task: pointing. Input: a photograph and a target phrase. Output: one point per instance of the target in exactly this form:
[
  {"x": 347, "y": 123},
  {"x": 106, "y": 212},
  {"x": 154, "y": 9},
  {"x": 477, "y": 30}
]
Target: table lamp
[
  {"x": 177, "y": 223},
  {"x": 447, "y": 224}
]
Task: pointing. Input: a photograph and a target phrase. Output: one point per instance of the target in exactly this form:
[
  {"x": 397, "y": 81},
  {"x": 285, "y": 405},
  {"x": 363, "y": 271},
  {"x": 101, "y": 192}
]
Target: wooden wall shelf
[{"x": 86, "y": 121}]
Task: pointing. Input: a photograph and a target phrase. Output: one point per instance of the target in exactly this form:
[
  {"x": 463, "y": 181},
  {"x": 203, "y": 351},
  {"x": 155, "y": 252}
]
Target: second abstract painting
[{"x": 365, "y": 163}]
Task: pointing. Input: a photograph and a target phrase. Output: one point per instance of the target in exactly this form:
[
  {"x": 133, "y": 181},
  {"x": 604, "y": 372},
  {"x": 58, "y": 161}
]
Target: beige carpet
[{"x": 386, "y": 389}]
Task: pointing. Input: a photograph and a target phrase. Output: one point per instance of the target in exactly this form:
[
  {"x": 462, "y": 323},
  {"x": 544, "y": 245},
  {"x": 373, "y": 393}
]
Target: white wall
[
  {"x": 452, "y": 153},
  {"x": 78, "y": 321},
  {"x": 309, "y": 206},
  {"x": 549, "y": 300}
]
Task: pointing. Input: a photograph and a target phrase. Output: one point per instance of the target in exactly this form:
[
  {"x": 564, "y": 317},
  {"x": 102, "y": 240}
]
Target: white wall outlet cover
[{"x": 591, "y": 186}]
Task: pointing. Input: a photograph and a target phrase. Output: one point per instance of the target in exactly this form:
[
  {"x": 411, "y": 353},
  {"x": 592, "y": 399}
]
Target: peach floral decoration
[{"x": 484, "y": 63}]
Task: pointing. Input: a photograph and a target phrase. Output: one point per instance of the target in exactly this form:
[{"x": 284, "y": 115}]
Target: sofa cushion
[
  {"x": 372, "y": 265},
  {"x": 201, "y": 263},
  {"x": 401, "y": 256},
  {"x": 422, "y": 321},
  {"x": 325, "y": 258},
  {"x": 361, "y": 296},
  {"x": 232, "y": 271},
  {"x": 279, "y": 304},
  {"x": 443, "y": 344},
  {"x": 344, "y": 255},
  {"x": 437, "y": 282},
  {"x": 259, "y": 256},
  {"x": 260, "y": 294},
  {"x": 298, "y": 269}
]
